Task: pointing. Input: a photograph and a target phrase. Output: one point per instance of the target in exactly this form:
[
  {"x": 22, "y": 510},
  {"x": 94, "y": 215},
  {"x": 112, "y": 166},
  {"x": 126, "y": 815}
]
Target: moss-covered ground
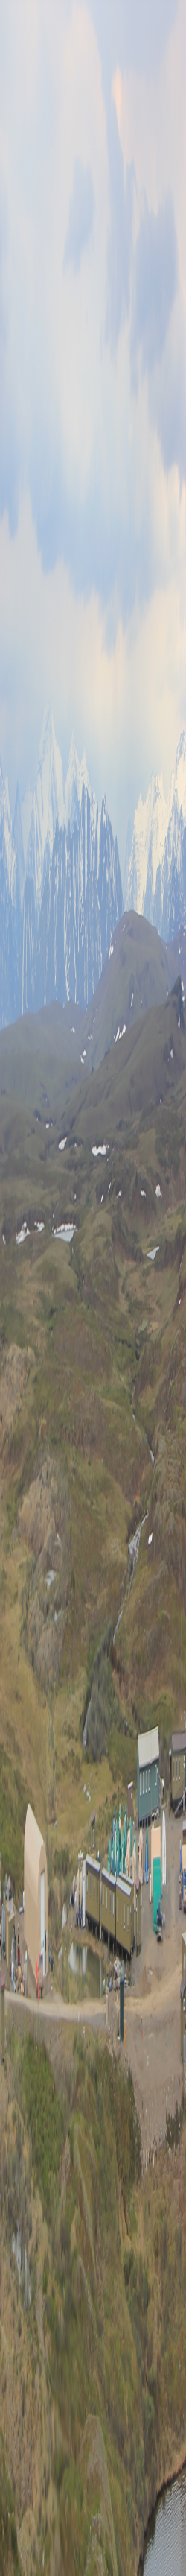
[
  {"x": 92, "y": 1423},
  {"x": 92, "y": 1442},
  {"x": 92, "y": 2366}
]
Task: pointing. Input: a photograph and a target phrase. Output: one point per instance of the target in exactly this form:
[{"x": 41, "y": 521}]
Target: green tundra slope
[
  {"x": 92, "y": 1415},
  {"x": 92, "y": 1442},
  {"x": 92, "y": 2367}
]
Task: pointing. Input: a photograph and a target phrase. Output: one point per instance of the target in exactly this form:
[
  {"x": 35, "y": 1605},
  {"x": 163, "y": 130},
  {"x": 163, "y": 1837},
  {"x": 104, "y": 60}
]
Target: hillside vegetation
[
  {"x": 92, "y": 1419},
  {"x": 92, "y": 2377}
]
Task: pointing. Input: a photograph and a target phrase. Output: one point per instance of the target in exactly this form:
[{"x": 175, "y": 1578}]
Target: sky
[{"x": 93, "y": 388}]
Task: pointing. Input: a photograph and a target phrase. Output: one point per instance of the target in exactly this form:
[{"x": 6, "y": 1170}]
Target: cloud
[
  {"x": 121, "y": 197},
  {"x": 155, "y": 283},
  {"x": 158, "y": 332},
  {"x": 132, "y": 32},
  {"x": 81, "y": 214},
  {"x": 168, "y": 395},
  {"x": 91, "y": 427},
  {"x": 127, "y": 702}
]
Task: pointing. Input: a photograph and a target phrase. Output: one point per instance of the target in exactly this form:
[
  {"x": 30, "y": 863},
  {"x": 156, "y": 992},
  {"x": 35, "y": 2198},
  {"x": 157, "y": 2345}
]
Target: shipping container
[
  {"x": 125, "y": 1915},
  {"x": 108, "y": 1905},
  {"x": 93, "y": 1891}
]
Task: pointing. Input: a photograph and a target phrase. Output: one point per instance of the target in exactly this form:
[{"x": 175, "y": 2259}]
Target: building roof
[
  {"x": 179, "y": 1740},
  {"x": 148, "y": 1747},
  {"x": 108, "y": 1873},
  {"x": 33, "y": 1846},
  {"x": 92, "y": 1863},
  {"x": 125, "y": 1884}
]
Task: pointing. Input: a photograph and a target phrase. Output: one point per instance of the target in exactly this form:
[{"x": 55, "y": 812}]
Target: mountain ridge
[
  {"x": 60, "y": 884},
  {"x": 155, "y": 870}
]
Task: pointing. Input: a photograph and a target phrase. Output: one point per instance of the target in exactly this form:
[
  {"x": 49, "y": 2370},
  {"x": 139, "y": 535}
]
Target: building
[
  {"x": 93, "y": 1874},
  {"x": 35, "y": 1894},
  {"x": 9, "y": 1927},
  {"x": 155, "y": 1850},
  {"x": 178, "y": 1765},
  {"x": 148, "y": 1776},
  {"x": 156, "y": 1890}
]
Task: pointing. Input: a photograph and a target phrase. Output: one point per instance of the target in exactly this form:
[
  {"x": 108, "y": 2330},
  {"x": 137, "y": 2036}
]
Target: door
[{"x": 43, "y": 1919}]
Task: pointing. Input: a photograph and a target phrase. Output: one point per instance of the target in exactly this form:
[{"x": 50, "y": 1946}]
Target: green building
[
  {"x": 148, "y": 1776},
  {"x": 178, "y": 1765}
]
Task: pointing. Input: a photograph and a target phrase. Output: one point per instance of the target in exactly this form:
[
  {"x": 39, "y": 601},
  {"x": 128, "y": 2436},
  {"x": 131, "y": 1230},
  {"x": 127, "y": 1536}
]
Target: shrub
[
  {"x": 61, "y": 1860},
  {"x": 103, "y": 1705},
  {"x": 45, "y": 2120}
]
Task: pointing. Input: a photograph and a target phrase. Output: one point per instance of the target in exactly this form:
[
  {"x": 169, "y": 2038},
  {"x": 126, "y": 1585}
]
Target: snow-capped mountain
[
  {"x": 46, "y": 807},
  {"x": 10, "y": 910},
  {"x": 155, "y": 873},
  {"x": 6, "y": 830},
  {"x": 50, "y": 803},
  {"x": 18, "y": 842},
  {"x": 82, "y": 900},
  {"x": 60, "y": 884},
  {"x": 77, "y": 778}
]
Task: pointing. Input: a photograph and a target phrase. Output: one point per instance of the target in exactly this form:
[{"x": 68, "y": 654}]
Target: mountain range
[
  {"x": 60, "y": 882},
  {"x": 155, "y": 867},
  {"x": 60, "y": 885}
]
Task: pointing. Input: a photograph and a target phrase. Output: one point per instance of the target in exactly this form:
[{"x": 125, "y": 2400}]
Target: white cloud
[
  {"x": 81, "y": 214},
  {"x": 92, "y": 540},
  {"x": 127, "y": 697}
]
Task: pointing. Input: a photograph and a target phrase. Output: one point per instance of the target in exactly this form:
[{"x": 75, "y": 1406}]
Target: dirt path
[
  {"x": 151, "y": 2006},
  {"x": 152, "y": 2045},
  {"x": 56, "y": 2011}
]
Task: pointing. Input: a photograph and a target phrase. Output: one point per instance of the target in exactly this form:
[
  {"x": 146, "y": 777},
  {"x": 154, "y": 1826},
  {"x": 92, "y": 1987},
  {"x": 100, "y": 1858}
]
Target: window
[
  {"x": 143, "y": 1782},
  {"x": 140, "y": 1783},
  {"x": 146, "y": 1781},
  {"x": 149, "y": 1779}
]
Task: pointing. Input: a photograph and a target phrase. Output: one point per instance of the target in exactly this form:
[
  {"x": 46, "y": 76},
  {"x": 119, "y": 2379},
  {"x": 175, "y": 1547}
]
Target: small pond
[
  {"x": 165, "y": 2551},
  {"x": 88, "y": 1963}
]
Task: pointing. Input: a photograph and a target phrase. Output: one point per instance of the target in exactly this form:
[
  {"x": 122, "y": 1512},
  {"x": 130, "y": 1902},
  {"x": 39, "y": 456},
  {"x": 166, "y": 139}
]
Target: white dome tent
[{"x": 35, "y": 1894}]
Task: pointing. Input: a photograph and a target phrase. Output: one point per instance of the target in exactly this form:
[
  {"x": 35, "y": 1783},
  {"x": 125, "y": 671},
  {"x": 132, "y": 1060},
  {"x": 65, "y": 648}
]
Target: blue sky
[{"x": 93, "y": 387}]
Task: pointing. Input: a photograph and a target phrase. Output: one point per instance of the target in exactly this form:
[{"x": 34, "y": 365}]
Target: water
[
  {"x": 87, "y": 1963},
  {"x": 166, "y": 2548}
]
